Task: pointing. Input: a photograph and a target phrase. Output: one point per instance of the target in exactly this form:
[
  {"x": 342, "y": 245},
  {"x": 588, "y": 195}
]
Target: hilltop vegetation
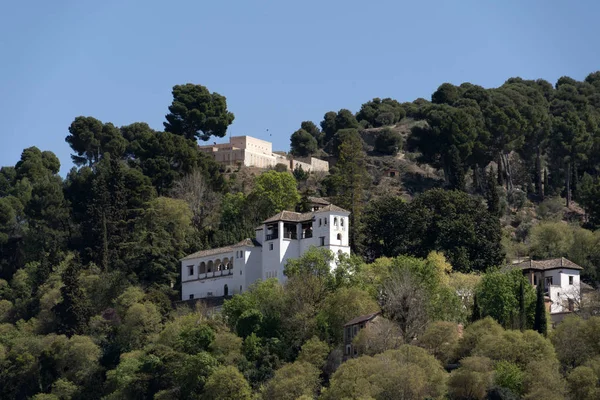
[{"x": 89, "y": 272}]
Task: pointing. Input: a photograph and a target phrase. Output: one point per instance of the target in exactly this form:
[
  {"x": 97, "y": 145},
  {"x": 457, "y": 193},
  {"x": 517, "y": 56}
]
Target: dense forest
[{"x": 89, "y": 271}]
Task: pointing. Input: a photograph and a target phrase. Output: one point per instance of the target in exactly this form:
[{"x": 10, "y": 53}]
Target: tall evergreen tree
[
  {"x": 540, "y": 324},
  {"x": 73, "y": 310},
  {"x": 348, "y": 181},
  {"x": 491, "y": 195},
  {"x": 476, "y": 314},
  {"x": 522, "y": 310}
]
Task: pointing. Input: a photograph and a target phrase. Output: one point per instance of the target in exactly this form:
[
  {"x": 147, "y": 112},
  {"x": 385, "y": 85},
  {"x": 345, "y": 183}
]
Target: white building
[
  {"x": 253, "y": 152},
  {"x": 560, "y": 279},
  {"x": 230, "y": 270}
]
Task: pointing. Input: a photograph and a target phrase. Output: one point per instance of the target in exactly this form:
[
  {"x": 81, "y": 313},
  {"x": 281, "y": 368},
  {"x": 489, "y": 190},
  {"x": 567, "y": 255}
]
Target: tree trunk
[
  {"x": 538, "y": 175},
  {"x": 507, "y": 172},
  {"x": 500, "y": 172},
  {"x": 476, "y": 179}
]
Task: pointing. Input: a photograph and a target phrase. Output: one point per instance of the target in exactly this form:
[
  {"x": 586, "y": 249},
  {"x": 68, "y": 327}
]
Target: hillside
[{"x": 442, "y": 195}]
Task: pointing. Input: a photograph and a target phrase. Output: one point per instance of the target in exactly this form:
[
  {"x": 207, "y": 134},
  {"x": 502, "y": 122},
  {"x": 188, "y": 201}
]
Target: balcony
[
  {"x": 290, "y": 235},
  {"x": 272, "y": 236},
  {"x": 215, "y": 274}
]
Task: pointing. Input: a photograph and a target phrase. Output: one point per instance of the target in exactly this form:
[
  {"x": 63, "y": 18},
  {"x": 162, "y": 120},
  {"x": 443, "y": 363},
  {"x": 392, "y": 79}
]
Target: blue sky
[{"x": 277, "y": 62}]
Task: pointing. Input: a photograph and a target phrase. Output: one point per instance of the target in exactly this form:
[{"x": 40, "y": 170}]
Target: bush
[{"x": 388, "y": 142}]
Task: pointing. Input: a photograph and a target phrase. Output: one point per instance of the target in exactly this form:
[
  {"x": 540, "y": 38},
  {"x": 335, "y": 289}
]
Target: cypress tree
[
  {"x": 455, "y": 169},
  {"x": 476, "y": 314},
  {"x": 491, "y": 195},
  {"x": 522, "y": 311},
  {"x": 540, "y": 324},
  {"x": 73, "y": 310}
]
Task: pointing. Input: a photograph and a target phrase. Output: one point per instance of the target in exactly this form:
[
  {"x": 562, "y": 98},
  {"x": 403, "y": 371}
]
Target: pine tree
[
  {"x": 540, "y": 324},
  {"x": 73, "y": 311}
]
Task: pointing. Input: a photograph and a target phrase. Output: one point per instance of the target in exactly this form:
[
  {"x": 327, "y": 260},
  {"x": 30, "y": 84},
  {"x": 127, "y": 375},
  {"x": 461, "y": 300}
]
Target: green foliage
[
  {"x": 303, "y": 144},
  {"x": 550, "y": 240},
  {"x": 314, "y": 352},
  {"x": 440, "y": 340},
  {"x": 72, "y": 311},
  {"x": 448, "y": 140},
  {"x": 508, "y": 375},
  {"x": 388, "y": 142},
  {"x": 498, "y": 296},
  {"x": 540, "y": 324},
  {"x": 276, "y": 192},
  {"x": 348, "y": 179},
  {"x": 227, "y": 383},
  {"x": 379, "y": 112},
  {"x": 452, "y": 222},
  {"x": 576, "y": 341},
  {"x": 91, "y": 139},
  {"x": 197, "y": 113},
  {"x": 292, "y": 381},
  {"x": 472, "y": 380},
  {"x": 310, "y": 127},
  {"x": 408, "y": 372},
  {"x": 333, "y": 122},
  {"x": 89, "y": 264},
  {"x": 343, "y": 305}
]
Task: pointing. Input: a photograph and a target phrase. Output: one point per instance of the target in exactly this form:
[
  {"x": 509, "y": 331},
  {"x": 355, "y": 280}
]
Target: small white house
[
  {"x": 560, "y": 279},
  {"x": 229, "y": 270}
]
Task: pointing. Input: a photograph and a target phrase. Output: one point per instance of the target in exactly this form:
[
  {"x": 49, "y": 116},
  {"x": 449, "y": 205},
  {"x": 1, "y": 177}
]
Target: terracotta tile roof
[
  {"x": 220, "y": 250},
  {"x": 362, "y": 318},
  {"x": 292, "y": 216},
  {"x": 544, "y": 265}
]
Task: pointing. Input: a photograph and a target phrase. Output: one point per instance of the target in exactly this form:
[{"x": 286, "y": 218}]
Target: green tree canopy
[
  {"x": 303, "y": 143},
  {"x": 197, "y": 113}
]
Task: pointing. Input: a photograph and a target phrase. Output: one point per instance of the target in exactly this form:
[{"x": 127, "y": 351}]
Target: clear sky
[{"x": 278, "y": 62}]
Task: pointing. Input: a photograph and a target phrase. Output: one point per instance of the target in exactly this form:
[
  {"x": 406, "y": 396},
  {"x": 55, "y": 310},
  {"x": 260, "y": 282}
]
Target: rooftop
[
  {"x": 544, "y": 265},
  {"x": 292, "y": 216},
  {"x": 220, "y": 250},
  {"x": 362, "y": 318}
]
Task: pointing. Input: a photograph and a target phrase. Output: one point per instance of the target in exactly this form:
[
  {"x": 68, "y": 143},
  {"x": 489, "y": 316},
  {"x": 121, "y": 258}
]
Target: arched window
[
  {"x": 225, "y": 290},
  {"x": 342, "y": 222},
  {"x": 229, "y": 265},
  {"x": 226, "y": 263},
  {"x": 218, "y": 264},
  {"x": 202, "y": 269},
  {"x": 339, "y": 236},
  {"x": 240, "y": 288},
  {"x": 325, "y": 221},
  {"x": 320, "y": 221},
  {"x": 335, "y": 222},
  {"x": 210, "y": 266}
]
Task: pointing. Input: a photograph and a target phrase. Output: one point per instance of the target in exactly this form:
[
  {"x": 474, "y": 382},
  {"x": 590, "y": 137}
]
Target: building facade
[
  {"x": 229, "y": 270},
  {"x": 351, "y": 329},
  {"x": 560, "y": 279},
  {"x": 252, "y": 152}
]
